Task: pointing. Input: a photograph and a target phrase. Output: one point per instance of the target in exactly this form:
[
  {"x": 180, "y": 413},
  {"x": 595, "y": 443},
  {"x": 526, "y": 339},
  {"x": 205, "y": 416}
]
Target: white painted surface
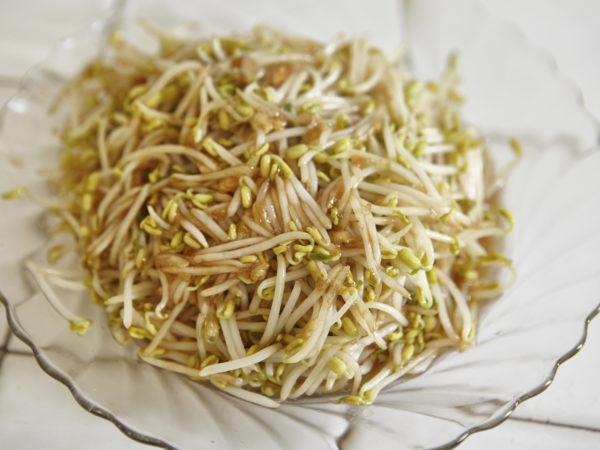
[{"x": 36, "y": 410}]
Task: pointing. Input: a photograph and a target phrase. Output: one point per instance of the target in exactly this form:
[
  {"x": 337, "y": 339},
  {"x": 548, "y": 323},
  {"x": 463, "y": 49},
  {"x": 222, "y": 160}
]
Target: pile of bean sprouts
[{"x": 274, "y": 215}]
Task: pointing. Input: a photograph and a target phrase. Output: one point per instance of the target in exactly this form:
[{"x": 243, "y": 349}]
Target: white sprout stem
[
  {"x": 246, "y": 361},
  {"x": 256, "y": 248},
  {"x": 124, "y": 226},
  {"x": 128, "y": 299},
  {"x": 212, "y": 227},
  {"x": 250, "y": 396},
  {"x": 164, "y": 329},
  {"x": 460, "y": 301},
  {"x": 390, "y": 311},
  {"x": 50, "y": 295},
  {"x": 276, "y": 302}
]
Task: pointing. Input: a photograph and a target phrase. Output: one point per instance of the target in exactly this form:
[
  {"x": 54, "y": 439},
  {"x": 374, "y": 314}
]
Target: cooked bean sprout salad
[{"x": 278, "y": 216}]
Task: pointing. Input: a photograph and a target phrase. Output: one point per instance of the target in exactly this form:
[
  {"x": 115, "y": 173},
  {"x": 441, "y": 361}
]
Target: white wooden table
[{"x": 38, "y": 412}]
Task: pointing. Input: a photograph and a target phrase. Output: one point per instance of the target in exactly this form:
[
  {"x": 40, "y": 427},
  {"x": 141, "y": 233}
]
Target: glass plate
[{"x": 512, "y": 89}]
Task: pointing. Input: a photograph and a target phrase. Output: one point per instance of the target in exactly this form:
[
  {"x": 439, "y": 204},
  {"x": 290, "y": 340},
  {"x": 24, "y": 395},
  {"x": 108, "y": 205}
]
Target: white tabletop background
[{"x": 38, "y": 412}]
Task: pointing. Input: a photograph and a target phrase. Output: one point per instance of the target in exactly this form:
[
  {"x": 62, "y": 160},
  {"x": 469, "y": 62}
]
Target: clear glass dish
[{"x": 511, "y": 88}]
